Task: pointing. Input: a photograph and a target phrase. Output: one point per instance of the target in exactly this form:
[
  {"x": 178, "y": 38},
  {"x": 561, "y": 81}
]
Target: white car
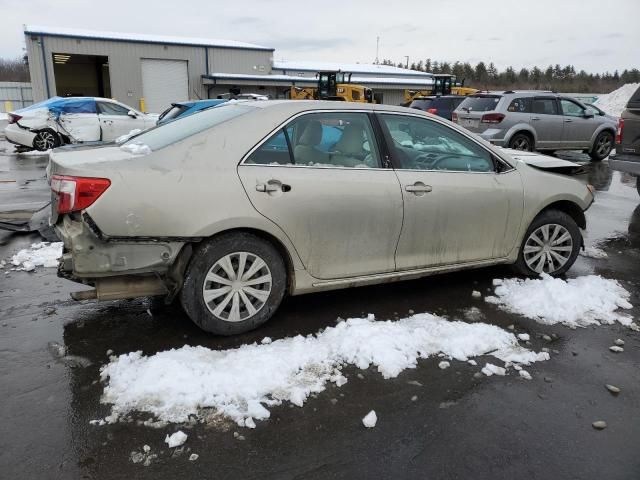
[{"x": 58, "y": 121}]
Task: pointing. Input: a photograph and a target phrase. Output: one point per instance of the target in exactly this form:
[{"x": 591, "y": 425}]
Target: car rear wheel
[
  {"x": 602, "y": 146},
  {"x": 46, "y": 140},
  {"x": 638, "y": 185},
  {"x": 551, "y": 245},
  {"x": 521, "y": 141},
  {"x": 233, "y": 284}
]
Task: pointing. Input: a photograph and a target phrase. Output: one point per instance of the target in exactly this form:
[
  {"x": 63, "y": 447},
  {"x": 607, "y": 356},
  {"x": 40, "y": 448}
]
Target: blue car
[{"x": 182, "y": 109}]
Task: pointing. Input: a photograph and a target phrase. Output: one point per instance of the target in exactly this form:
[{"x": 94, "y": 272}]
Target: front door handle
[
  {"x": 567, "y": 120},
  {"x": 535, "y": 118},
  {"x": 418, "y": 188}
]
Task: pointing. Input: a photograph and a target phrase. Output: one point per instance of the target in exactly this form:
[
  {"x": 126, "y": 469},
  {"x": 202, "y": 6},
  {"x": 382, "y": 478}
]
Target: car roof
[{"x": 306, "y": 105}]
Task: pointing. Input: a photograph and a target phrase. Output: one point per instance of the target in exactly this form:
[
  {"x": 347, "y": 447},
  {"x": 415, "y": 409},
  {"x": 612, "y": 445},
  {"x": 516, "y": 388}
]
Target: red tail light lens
[
  {"x": 432, "y": 110},
  {"x": 492, "y": 118},
  {"x": 454, "y": 117},
  {"x": 619, "y": 131},
  {"x": 77, "y": 193},
  {"x": 13, "y": 118}
]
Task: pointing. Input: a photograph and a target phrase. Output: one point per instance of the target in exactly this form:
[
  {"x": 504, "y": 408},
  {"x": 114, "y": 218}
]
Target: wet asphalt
[{"x": 460, "y": 427}]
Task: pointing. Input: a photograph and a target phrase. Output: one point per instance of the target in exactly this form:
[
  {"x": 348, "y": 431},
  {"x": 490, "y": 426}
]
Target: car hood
[{"x": 543, "y": 162}]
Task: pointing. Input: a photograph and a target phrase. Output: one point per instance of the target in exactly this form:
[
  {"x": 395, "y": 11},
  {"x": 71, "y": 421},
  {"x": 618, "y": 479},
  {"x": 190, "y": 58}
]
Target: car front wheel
[
  {"x": 602, "y": 146},
  {"x": 551, "y": 245},
  {"x": 234, "y": 283}
]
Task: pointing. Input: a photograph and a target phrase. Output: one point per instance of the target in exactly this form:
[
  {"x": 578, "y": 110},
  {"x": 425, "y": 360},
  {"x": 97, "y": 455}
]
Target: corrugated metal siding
[
  {"x": 18, "y": 93},
  {"x": 391, "y": 97},
  {"x": 125, "y": 69},
  {"x": 240, "y": 61}
]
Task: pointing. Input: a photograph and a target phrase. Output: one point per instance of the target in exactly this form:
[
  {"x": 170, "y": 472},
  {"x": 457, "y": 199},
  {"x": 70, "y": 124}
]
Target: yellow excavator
[
  {"x": 443, "y": 84},
  {"x": 334, "y": 85}
]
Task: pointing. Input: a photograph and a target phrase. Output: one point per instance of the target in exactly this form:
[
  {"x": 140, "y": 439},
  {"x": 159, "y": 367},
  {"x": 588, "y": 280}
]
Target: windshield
[
  {"x": 172, "y": 132},
  {"x": 480, "y": 104}
]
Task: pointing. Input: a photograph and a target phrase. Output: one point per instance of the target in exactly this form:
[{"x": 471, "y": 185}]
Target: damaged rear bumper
[{"x": 122, "y": 268}]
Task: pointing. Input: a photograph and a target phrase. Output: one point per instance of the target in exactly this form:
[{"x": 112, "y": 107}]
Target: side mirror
[
  {"x": 588, "y": 113},
  {"x": 133, "y": 114}
]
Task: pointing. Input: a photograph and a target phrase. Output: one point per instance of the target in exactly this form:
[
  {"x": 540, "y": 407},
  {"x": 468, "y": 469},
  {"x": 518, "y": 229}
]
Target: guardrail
[{"x": 15, "y": 95}]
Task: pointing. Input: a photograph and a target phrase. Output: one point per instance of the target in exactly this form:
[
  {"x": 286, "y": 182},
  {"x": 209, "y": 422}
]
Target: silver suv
[{"x": 536, "y": 120}]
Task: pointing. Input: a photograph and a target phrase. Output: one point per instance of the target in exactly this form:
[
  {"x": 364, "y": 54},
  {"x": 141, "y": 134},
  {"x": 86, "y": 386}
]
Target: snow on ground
[
  {"x": 242, "y": 383},
  {"x": 176, "y": 439},
  {"x": 615, "y": 102},
  {"x": 576, "y": 302},
  {"x": 43, "y": 254},
  {"x": 370, "y": 419},
  {"x": 593, "y": 252},
  {"x": 34, "y": 153}
]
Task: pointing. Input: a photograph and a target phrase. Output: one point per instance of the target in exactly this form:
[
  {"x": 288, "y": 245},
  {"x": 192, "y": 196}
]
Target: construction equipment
[
  {"x": 333, "y": 85},
  {"x": 443, "y": 84}
]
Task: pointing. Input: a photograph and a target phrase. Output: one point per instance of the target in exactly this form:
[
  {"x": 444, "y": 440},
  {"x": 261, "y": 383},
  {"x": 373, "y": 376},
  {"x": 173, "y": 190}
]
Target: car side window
[
  {"x": 339, "y": 139},
  {"x": 275, "y": 151},
  {"x": 107, "y": 108},
  {"x": 520, "y": 105},
  {"x": 544, "y": 106},
  {"x": 571, "y": 109},
  {"x": 423, "y": 144}
]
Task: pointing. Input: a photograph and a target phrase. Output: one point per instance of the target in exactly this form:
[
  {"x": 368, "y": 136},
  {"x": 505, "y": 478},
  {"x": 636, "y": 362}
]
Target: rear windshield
[
  {"x": 172, "y": 132},
  {"x": 634, "y": 101},
  {"x": 480, "y": 104},
  {"x": 421, "y": 104}
]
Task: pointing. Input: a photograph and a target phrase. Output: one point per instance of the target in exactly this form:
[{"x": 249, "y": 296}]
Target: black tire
[
  {"x": 206, "y": 257},
  {"x": 602, "y": 146},
  {"x": 638, "y": 185},
  {"x": 550, "y": 217},
  {"x": 45, "y": 140},
  {"x": 521, "y": 141}
]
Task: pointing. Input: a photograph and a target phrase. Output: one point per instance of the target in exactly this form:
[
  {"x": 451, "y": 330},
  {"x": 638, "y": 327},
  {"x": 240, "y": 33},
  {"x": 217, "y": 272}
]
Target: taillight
[
  {"x": 454, "y": 117},
  {"x": 432, "y": 110},
  {"x": 619, "y": 131},
  {"x": 77, "y": 193},
  {"x": 13, "y": 118},
  {"x": 492, "y": 118}
]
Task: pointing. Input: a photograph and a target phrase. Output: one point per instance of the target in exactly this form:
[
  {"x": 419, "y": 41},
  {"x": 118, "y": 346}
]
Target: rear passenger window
[
  {"x": 275, "y": 151},
  {"x": 520, "y": 105},
  {"x": 340, "y": 139},
  {"x": 545, "y": 106}
]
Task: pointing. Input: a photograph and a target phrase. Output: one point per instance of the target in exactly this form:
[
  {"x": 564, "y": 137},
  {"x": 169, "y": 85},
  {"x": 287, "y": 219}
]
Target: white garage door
[{"x": 164, "y": 82}]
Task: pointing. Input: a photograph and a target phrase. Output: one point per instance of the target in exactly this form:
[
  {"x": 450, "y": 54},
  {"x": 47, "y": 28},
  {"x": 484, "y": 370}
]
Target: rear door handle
[
  {"x": 567, "y": 120},
  {"x": 535, "y": 118},
  {"x": 418, "y": 188}
]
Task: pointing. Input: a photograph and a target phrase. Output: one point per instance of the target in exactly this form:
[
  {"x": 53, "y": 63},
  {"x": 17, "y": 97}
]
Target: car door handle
[
  {"x": 418, "y": 188},
  {"x": 535, "y": 118},
  {"x": 567, "y": 120},
  {"x": 273, "y": 186}
]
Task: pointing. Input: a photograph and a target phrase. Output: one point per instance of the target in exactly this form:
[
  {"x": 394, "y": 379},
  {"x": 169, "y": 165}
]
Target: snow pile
[
  {"x": 593, "y": 252},
  {"x": 136, "y": 148},
  {"x": 43, "y": 254},
  {"x": 241, "y": 383},
  {"x": 615, "y": 102},
  {"x": 577, "y": 302},
  {"x": 127, "y": 136},
  {"x": 370, "y": 419}
]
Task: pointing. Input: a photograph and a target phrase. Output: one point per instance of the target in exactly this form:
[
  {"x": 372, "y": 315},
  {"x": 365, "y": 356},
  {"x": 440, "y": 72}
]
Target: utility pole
[
  {"x": 407, "y": 57},
  {"x": 377, "y": 50}
]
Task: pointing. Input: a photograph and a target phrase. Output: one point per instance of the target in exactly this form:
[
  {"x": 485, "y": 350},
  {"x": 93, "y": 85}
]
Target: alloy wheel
[
  {"x": 603, "y": 147},
  {"x": 548, "y": 248},
  {"x": 44, "y": 141},
  {"x": 237, "y": 286},
  {"x": 521, "y": 143}
]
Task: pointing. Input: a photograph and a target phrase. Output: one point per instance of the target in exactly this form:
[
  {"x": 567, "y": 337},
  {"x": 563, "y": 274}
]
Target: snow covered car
[
  {"x": 231, "y": 209},
  {"x": 59, "y": 121}
]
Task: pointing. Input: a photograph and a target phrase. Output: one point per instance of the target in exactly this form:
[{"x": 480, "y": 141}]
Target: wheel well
[
  {"x": 571, "y": 209},
  {"x": 282, "y": 250},
  {"x": 527, "y": 133}
]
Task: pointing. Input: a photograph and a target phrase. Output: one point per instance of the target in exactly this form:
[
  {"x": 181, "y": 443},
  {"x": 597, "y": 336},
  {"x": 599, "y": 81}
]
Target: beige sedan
[{"x": 234, "y": 207}]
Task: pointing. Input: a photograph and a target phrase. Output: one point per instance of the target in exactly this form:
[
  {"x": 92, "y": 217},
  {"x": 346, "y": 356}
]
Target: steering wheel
[
  {"x": 435, "y": 163},
  {"x": 424, "y": 160}
]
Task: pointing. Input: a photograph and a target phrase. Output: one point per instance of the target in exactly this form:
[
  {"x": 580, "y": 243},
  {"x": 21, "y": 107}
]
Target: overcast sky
[{"x": 595, "y": 35}]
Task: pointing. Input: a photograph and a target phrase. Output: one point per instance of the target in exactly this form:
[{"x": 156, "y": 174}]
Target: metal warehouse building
[{"x": 150, "y": 72}]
